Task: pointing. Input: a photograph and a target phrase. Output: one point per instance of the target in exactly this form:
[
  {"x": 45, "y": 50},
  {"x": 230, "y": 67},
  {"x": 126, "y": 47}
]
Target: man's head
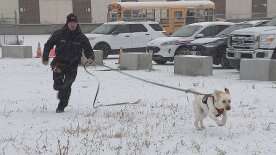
[{"x": 72, "y": 22}]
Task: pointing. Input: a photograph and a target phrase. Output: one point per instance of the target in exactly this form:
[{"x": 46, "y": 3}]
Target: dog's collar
[
  {"x": 220, "y": 112},
  {"x": 205, "y": 99}
]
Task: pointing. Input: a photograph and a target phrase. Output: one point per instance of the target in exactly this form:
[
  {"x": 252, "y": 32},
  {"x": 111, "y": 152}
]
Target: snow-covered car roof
[
  {"x": 254, "y": 22},
  {"x": 132, "y": 22},
  {"x": 212, "y": 23},
  {"x": 254, "y": 30}
]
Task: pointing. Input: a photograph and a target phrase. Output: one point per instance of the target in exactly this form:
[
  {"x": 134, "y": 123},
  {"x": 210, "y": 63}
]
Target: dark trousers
[{"x": 62, "y": 83}]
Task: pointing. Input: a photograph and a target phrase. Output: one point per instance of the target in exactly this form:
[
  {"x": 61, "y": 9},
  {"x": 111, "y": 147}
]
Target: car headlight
[
  {"x": 168, "y": 43},
  {"x": 267, "y": 40},
  {"x": 214, "y": 43}
]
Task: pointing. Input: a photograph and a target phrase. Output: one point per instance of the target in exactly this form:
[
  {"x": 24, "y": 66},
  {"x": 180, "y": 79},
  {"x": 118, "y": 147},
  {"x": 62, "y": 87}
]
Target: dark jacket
[{"x": 69, "y": 46}]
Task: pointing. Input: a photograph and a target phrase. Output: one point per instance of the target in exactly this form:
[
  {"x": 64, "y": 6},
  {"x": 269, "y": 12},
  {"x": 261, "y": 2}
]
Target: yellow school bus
[{"x": 170, "y": 14}]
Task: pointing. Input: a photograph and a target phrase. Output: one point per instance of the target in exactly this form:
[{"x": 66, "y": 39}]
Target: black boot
[{"x": 61, "y": 107}]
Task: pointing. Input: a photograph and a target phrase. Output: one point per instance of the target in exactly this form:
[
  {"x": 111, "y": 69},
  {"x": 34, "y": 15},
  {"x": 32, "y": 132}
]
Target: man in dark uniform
[{"x": 69, "y": 42}]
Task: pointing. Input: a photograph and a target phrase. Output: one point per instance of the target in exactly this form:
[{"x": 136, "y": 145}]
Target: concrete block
[
  {"x": 255, "y": 69},
  {"x": 272, "y": 70},
  {"x": 98, "y": 57},
  {"x": 17, "y": 51},
  {"x": 135, "y": 61},
  {"x": 192, "y": 65}
]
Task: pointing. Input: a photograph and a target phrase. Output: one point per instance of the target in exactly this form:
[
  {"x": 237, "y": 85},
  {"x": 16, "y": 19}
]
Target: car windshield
[
  {"x": 272, "y": 22},
  {"x": 104, "y": 29},
  {"x": 232, "y": 28},
  {"x": 186, "y": 31}
]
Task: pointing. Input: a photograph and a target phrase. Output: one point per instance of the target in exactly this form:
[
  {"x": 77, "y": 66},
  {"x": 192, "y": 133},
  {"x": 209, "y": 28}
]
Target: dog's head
[{"x": 223, "y": 99}]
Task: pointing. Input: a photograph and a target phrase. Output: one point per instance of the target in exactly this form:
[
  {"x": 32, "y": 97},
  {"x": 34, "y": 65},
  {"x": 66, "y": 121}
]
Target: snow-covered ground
[{"x": 161, "y": 124}]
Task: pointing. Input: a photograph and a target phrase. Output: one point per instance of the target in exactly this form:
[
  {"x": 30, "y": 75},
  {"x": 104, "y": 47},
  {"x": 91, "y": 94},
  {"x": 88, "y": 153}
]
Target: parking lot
[{"x": 162, "y": 123}]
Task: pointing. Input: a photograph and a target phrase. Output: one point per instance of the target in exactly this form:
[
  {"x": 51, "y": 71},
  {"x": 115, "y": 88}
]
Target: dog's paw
[
  {"x": 200, "y": 128},
  {"x": 220, "y": 124}
]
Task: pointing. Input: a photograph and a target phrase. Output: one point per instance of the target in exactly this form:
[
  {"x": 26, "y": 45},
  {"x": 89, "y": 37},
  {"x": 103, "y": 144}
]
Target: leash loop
[{"x": 98, "y": 90}]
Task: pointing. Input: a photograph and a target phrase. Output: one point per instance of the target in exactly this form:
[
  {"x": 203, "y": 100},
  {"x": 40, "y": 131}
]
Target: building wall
[
  {"x": 99, "y": 10},
  {"x": 54, "y": 11},
  {"x": 271, "y": 8},
  {"x": 238, "y": 9},
  {"x": 9, "y": 9}
]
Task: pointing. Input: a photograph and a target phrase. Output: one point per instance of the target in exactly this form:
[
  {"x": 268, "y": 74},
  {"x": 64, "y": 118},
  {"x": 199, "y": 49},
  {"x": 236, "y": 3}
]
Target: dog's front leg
[
  {"x": 212, "y": 112},
  {"x": 223, "y": 120},
  {"x": 219, "y": 122},
  {"x": 196, "y": 124},
  {"x": 213, "y": 117},
  {"x": 201, "y": 124}
]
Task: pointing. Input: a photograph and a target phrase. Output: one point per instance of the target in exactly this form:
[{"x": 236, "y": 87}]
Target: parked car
[
  {"x": 165, "y": 48},
  {"x": 252, "y": 43},
  {"x": 129, "y": 36},
  {"x": 216, "y": 46}
]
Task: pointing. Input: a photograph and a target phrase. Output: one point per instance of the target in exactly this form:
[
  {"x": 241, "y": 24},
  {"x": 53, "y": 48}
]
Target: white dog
[{"x": 214, "y": 105}]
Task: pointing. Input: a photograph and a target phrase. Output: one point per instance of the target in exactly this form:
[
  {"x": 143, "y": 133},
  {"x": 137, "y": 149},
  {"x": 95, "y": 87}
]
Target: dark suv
[{"x": 216, "y": 46}]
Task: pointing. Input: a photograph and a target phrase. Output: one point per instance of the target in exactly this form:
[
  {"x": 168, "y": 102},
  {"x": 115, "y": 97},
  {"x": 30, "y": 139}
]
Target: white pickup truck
[{"x": 251, "y": 43}]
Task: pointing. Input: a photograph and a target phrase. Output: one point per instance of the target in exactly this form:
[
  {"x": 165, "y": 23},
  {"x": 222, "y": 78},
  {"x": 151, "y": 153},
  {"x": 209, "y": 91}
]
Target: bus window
[
  {"x": 200, "y": 15},
  {"x": 150, "y": 14},
  {"x": 114, "y": 16},
  {"x": 127, "y": 15},
  {"x": 178, "y": 15},
  {"x": 142, "y": 14},
  {"x": 210, "y": 14},
  {"x": 190, "y": 18},
  {"x": 164, "y": 16},
  {"x": 135, "y": 15}
]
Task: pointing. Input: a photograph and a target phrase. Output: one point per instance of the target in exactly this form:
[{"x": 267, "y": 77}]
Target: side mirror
[{"x": 200, "y": 35}]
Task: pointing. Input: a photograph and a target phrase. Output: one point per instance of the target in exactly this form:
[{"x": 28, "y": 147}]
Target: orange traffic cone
[
  {"x": 38, "y": 51},
  {"x": 52, "y": 53}
]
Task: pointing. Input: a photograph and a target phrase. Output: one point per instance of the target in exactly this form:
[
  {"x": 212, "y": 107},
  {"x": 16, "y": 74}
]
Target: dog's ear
[{"x": 226, "y": 90}]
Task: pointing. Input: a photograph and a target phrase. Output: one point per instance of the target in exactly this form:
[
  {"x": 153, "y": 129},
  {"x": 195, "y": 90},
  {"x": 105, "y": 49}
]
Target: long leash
[
  {"x": 98, "y": 90},
  {"x": 137, "y": 78},
  {"x": 155, "y": 83}
]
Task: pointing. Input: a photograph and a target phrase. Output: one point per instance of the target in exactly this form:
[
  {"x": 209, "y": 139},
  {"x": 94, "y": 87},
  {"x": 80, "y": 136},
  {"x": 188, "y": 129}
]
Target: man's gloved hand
[{"x": 90, "y": 61}]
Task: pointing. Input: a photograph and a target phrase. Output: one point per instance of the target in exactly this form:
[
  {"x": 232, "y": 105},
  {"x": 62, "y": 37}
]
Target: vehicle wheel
[
  {"x": 274, "y": 55},
  {"x": 105, "y": 48},
  {"x": 225, "y": 63},
  {"x": 185, "y": 51},
  {"x": 160, "y": 62}
]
